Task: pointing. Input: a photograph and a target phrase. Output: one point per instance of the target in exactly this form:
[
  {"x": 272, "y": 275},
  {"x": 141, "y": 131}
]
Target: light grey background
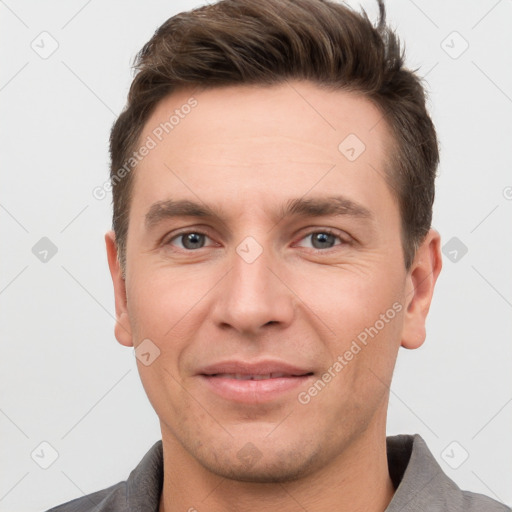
[{"x": 64, "y": 378}]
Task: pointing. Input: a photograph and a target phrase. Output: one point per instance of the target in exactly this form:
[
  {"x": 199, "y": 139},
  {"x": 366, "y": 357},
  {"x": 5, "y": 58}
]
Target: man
[{"x": 273, "y": 181}]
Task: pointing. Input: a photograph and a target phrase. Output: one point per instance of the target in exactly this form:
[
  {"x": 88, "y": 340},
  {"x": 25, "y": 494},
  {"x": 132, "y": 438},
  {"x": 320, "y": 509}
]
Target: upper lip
[{"x": 264, "y": 367}]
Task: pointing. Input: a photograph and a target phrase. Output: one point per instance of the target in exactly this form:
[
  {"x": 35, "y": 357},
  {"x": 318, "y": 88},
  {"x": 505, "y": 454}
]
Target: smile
[
  {"x": 253, "y": 382},
  {"x": 242, "y": 376}
]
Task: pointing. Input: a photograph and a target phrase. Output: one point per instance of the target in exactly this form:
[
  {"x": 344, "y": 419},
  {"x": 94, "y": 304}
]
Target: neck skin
[{"x": 356, "y": 481}]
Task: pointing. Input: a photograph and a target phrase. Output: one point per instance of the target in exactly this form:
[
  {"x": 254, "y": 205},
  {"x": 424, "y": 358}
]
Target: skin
[{"x": 247, "y": 151}]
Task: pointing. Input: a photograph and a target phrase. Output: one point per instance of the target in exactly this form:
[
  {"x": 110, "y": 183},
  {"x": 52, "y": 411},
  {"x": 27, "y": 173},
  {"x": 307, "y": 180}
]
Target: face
[{"x": 265, "y": 291}]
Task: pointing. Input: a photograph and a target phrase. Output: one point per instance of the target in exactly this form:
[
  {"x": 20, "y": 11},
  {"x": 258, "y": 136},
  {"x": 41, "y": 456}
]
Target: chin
[{"x": 270, "y": 467}]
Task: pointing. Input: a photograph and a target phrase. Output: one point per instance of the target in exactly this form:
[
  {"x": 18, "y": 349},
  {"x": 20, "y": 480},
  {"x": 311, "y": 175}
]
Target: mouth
[
  {"x": 253, "y": 383},
  {"x": 244, "y": 376}
]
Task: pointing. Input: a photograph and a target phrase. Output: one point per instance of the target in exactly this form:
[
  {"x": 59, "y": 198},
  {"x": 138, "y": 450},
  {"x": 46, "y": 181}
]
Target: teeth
[{"x": 240, "y": 376}]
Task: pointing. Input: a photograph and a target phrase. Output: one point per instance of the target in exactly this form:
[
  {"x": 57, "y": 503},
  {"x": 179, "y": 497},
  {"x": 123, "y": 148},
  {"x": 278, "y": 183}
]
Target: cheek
[
  {"x": 159, "y": 302},
  {"x": 365, "y": 314},
  {"x": 166, "y": 307},
  {"x": 161, "y": 309},
  {"x": 367, "y": 321},
  {"x": 350, "y": 301},
  {"x": 375, "y": 317}
]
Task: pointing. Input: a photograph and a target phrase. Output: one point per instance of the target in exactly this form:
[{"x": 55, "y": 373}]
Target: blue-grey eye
[
  {"x": 190, "y": 240},
  {"x": 322, "y": 240}
]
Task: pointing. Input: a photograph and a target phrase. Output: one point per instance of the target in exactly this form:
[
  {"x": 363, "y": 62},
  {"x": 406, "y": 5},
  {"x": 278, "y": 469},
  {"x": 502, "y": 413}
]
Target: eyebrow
[
  {"x": 301, "y": 207},
  {"x": 325, "y": 206}
]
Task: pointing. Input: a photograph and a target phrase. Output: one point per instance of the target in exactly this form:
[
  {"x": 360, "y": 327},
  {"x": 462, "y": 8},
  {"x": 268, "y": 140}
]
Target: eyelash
[{"x": 321, "y": 230}]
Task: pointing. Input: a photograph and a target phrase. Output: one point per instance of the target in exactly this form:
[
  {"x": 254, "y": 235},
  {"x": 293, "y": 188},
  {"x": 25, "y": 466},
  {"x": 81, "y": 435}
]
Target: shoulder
[
  {"x": 141, "y": 491},
  {"x": 111, "y": 499},
  {"x": 474, "y": 502},
  {"x": 421, "y": 484}
]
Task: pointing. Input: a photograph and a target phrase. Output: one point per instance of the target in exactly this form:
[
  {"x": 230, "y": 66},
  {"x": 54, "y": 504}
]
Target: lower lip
[{"x": 253, "y": 391}]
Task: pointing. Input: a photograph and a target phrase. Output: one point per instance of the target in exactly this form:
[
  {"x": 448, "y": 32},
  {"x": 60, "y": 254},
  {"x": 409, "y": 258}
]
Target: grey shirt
[{"x": 420, "y": 485}]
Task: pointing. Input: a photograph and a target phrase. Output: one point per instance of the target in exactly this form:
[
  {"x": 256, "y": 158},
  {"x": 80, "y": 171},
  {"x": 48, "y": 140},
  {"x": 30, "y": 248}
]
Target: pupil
[
  {"x": 321, "y": 240},
  {"x": 193, "y": 240}
]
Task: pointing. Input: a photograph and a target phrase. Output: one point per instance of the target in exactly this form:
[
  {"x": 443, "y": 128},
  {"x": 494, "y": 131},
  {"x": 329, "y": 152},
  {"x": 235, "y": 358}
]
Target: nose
[{"x": 253, "y": 295}]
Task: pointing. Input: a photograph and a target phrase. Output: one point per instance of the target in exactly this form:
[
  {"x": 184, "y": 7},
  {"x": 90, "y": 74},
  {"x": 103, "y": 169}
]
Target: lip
[
  {"x": 219, "y": 378},
  {"x": 263, "y": 367}
]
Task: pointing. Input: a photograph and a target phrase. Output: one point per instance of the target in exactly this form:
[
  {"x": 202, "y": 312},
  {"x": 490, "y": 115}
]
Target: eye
[
  {"x": 324, "y": 239},
  {"x": 189, "y": 240}
]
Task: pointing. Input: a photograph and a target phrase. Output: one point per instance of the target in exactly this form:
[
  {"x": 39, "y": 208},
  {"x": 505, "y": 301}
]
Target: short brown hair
[{"x": 265, "y": 42}]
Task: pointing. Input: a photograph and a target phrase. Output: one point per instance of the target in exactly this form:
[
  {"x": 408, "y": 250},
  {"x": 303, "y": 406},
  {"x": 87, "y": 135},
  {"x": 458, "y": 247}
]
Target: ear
[
  {"x": 420, "y": 282},
  {"x": 122, "y": 329}
]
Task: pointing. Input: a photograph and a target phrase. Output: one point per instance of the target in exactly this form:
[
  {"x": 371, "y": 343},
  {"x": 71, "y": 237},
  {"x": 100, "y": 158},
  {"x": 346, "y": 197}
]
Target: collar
[{"x": 419, "y": 481}]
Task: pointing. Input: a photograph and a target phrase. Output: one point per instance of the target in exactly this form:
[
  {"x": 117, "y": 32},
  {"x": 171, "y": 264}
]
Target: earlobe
[
  {"x": 122, "y": 329},
  {"x": 421, "y": 281}
]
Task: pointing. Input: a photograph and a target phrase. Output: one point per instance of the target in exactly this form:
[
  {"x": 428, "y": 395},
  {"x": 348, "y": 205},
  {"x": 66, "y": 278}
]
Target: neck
[{"x": 356, "y": 480}]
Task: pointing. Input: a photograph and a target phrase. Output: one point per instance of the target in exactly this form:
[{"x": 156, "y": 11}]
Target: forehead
[{"x": 251, "y": 143}]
